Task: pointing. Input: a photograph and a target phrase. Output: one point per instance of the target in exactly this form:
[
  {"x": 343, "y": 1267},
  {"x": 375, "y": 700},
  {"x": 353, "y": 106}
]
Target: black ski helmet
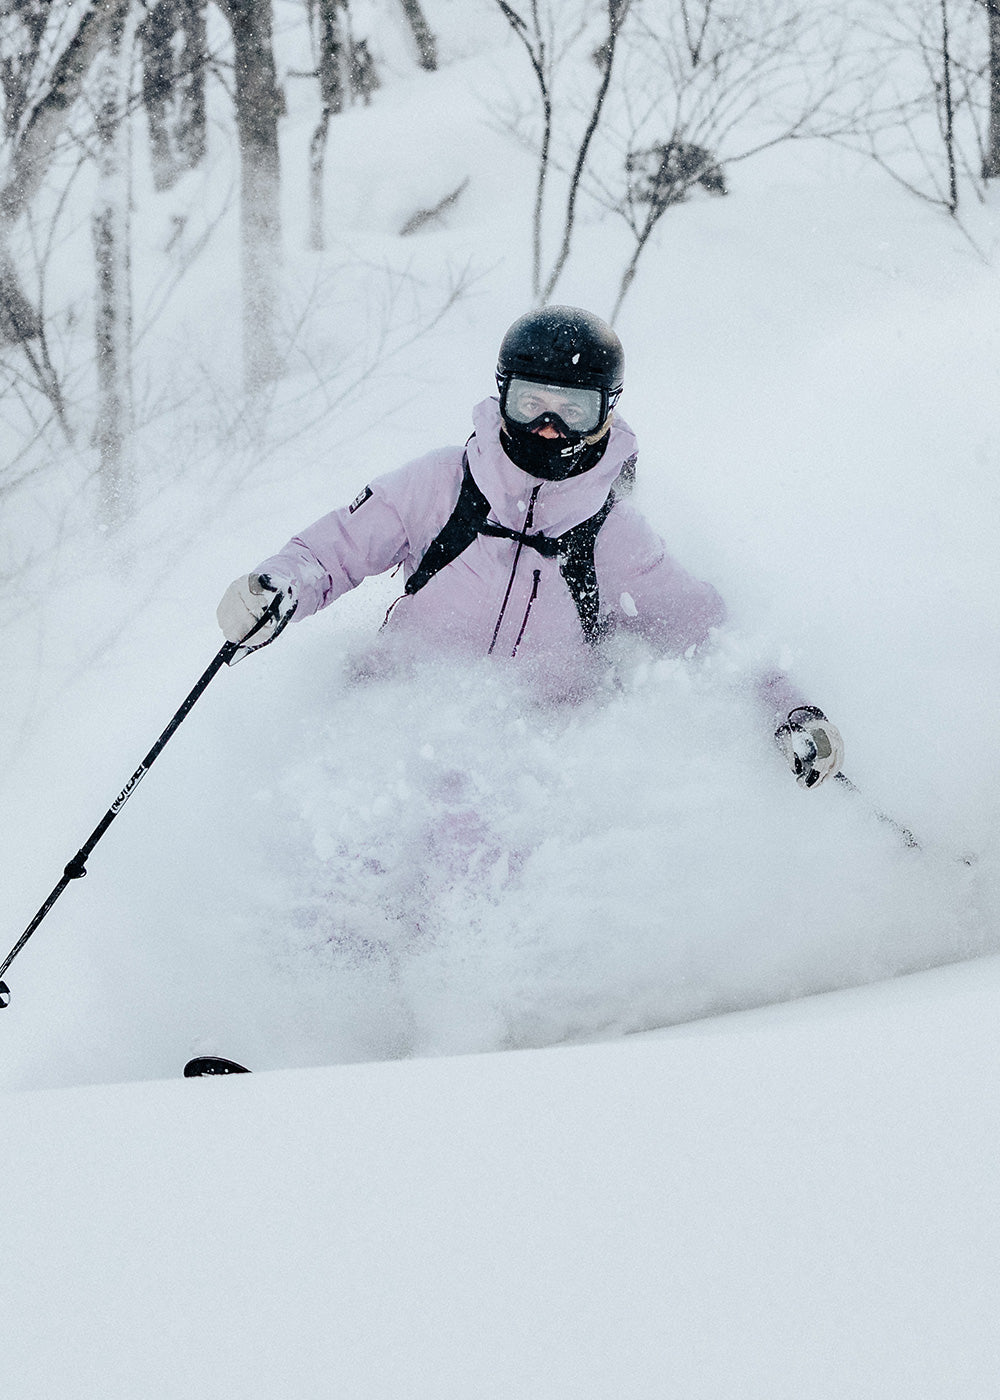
[{"x": 568, "y": 347}]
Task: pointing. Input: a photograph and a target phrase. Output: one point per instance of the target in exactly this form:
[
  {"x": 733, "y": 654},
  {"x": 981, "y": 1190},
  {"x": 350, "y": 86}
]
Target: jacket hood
[{"x": 559, "y": 505}]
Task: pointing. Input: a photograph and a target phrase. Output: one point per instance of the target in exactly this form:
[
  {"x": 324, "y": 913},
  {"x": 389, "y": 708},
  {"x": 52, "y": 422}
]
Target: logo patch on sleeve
[{"x": 359, "y": 502}]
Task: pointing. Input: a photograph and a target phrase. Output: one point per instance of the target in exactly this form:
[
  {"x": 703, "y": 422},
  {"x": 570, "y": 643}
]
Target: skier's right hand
[{"x": 250, "y": 599}]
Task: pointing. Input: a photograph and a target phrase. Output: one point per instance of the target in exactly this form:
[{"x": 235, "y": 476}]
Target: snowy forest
[
  {"x": 592, "y": 1057},
  {"x": 144, "y": 143}
]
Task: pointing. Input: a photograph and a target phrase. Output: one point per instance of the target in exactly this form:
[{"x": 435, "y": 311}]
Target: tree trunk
[
  {"x": 173, "y": 87},
  {"x": 333, "y": 58},
  {"x": 259, "y": 104},
  {"x": 113, "y": 312},
  {"x": 38, "y": 143},
  {"x": 426, "y": 45},
  {"x": 19, "y": 321},
  {"x": 42, "y": 90},
  {"x": 949, "y": 110},
  {"x": 991, "y": 160}
]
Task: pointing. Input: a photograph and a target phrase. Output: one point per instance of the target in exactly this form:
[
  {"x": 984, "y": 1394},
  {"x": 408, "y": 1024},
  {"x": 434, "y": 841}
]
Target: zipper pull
[
  {"x": 535, "y": 580},
  {"x": 529, "y": 519}
]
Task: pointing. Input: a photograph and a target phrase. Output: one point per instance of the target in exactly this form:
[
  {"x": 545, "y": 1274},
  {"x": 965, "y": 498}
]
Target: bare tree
[
  {"x": 111, "y": 229},
  {"x": 604, "y": 57},
  {"x": 657, "y": 178},
  {"x": 35, "y": 123},
  {"x": 535, "y": 43},
  {"x": 332, "y": 47},
  {"x": 346, "y": 72},
  {"x": 259, "y": 105},
  {"x": 947, "y": 109},
  {"x": 173, "y": 86},
  {"x": 422, "y": 34},
  {"x": 46, "y": 54},
  {"x": 917, "y": 108},
  {"x": 537, "y": 36},
  {"x": 706, "y": 84},
  {"x": 20, "y": 323},
  {"x": 991, "y": 154}
]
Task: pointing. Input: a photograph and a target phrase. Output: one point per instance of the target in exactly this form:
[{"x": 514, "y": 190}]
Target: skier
[{"x": 522, "y": 544}]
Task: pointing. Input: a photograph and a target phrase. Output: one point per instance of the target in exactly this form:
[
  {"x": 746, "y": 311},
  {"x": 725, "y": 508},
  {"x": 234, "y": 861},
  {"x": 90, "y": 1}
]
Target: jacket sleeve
[
  {"x": 647, "y": 591},
  {"x": 391, "y": 521},
  {"x": 779, "y": 695}
]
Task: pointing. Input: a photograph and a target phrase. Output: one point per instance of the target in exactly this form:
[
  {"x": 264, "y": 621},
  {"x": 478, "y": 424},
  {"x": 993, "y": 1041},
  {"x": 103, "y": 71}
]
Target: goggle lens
[{"x": 580, "y": 410}]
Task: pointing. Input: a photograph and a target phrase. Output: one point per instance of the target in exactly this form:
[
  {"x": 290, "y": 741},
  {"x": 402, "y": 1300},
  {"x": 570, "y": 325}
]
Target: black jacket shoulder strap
[
  {"x": 576, "y": 564},
  {"x": 461, "y": 528},
  {"x": 574, "y": 549}
]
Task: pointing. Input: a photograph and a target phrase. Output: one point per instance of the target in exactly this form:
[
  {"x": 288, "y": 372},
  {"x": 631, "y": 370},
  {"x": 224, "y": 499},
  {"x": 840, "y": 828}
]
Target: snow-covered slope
[{"x": 787, "y": 1204}]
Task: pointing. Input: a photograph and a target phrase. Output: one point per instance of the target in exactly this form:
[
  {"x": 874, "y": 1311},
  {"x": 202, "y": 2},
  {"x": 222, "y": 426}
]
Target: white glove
[
  {"x": 811, "y": 744},
  {"x": 249, "y": 599}
]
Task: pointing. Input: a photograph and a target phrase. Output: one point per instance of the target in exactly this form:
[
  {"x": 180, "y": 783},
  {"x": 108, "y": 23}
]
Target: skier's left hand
[{"x": 811, "y": 744}]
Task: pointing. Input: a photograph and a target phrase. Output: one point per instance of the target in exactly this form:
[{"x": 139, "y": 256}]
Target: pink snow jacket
[{"x": 502, "y": 596}]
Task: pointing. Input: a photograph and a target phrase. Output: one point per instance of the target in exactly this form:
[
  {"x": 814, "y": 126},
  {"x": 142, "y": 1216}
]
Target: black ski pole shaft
[
  {"x": 77, "y": 867},
  {"x": 903, "y": 832}
]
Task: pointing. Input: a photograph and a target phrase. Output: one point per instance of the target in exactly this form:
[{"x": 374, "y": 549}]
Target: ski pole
[
  {"x": 904, "y": 832},
  {"x": 77, "y": 867}
]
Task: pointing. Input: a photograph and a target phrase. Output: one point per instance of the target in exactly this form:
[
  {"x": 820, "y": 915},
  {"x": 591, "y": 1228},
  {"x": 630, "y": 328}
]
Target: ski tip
[{"x": 211, "y": 1064}]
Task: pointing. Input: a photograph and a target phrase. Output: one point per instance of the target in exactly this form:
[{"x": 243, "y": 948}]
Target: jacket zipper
[
  {"x": 527, "y": 612},
  {"x": 528, "y": 519}
]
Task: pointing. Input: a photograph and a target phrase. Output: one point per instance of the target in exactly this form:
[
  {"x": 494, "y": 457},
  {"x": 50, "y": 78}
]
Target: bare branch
[
  {"x": 617, "y": 10},
  {"x": 36, "y": 147}
]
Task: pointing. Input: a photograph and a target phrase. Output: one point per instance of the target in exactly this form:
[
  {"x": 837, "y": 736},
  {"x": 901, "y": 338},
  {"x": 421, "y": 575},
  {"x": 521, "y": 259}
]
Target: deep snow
[{"x": 794, "y": 1202}]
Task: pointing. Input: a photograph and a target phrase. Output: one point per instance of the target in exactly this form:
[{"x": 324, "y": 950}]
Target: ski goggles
[{"x": 574, "y": 411}]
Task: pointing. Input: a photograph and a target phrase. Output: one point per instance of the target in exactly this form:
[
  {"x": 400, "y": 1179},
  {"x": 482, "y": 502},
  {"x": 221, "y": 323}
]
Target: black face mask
[{"x": 550, "y": 459}]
